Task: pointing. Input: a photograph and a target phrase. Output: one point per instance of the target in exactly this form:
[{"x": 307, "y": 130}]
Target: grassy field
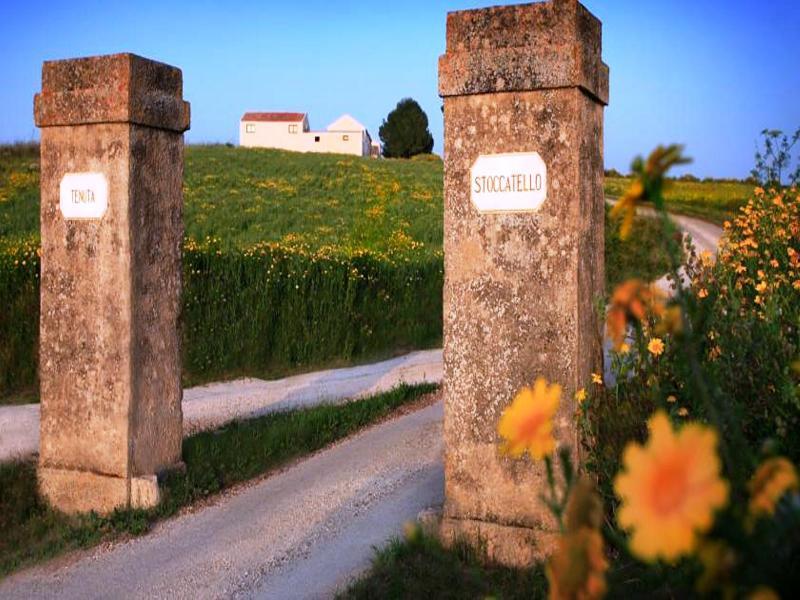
[
  {"x": 246, "y": 196},
  {"x": 242, "y": 197},
  {"x": 215, "y": 460},
  {"x": 291, "y": 262},
  {"x": 714, "y": 201}
]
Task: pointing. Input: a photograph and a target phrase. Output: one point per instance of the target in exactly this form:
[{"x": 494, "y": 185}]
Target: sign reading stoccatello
[{"x": 514, "y": 182}]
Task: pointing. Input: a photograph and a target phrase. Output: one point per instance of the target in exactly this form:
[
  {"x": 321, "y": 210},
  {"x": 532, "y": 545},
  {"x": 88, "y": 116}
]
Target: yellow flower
[
  {"x": 626, "y": 206},
  {"x": 683, "y": 411},
  {"x": 671, "y": 321},
  {"x": 528, "y": 423},
  {"x": 669, "y": 489},
  {"x": 577, "y": 568},
  {"x": 648, "y": 183},
  {"x": 773, "y": 478},
  {"x": 656, "y": 347},
  {"x": 597, "y": 378},
  {"x": 580, "y": 395},
  {"x": 624, "y": 348},
  {"x": 703, "y": 293},
  {"x": 632, "y": 300},
  {"x": 671, "y": 399},
  {"x": 763, "y": 592}
]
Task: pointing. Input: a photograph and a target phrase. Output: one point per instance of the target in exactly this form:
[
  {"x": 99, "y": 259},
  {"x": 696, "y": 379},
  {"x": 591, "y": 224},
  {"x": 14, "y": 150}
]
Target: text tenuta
[
  {"x": 517, "y": 182},
  {"x": 82, "y": 196}
]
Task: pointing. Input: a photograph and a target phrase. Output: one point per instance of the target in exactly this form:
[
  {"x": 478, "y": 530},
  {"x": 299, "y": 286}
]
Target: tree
[
  {"x": 404, "y": 132},
  {"x": 775, "y": 158}
]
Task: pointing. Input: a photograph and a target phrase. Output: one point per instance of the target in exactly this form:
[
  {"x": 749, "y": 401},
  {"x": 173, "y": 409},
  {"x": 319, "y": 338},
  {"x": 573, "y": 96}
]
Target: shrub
[{"x": 720, "y": 358}]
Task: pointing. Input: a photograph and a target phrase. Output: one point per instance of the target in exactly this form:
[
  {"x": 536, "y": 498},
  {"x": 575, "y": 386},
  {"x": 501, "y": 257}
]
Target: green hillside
[{"x": 244, "y": 196}]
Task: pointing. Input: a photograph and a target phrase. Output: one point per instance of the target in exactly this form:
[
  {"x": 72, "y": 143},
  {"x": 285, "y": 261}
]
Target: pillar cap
[
  {"x": 115, "y": 88},
  {"x": 524, "y": 47}
]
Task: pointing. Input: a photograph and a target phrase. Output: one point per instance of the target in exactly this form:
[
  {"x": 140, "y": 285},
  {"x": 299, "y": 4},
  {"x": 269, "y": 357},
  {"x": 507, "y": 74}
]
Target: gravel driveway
[
  {"x": 209, "y": 406},
  {"x": 302, "y": 533}
]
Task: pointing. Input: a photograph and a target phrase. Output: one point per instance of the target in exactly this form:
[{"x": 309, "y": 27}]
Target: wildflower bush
[{"x": 689, "y": 484}]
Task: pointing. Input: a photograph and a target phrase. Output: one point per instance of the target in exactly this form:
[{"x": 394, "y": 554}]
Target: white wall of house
[
  {"x": 343, "y": 136},
  {"x": 338, "y": 142},
  {"x": 274, "y": 134}
]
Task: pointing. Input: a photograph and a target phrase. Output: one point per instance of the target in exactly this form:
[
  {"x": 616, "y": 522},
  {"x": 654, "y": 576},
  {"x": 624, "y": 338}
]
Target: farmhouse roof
[
  {"x": 346, "y": 123},
  {"x": 275, "y": 117}
]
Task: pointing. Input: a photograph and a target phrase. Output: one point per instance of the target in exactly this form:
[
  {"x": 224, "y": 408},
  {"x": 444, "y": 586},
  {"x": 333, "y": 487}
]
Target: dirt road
[
  {"x": 209, "y": 406},
  {"x": 299, "y": 534}
]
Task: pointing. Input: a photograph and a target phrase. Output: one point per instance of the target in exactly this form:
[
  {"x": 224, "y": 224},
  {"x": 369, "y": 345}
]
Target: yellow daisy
[
  {"x": 670, "y": 489},
  {"x": 527, "y": 424},
  {"x": 773, "y": 478},
  {"x": 656, "y": 347}
]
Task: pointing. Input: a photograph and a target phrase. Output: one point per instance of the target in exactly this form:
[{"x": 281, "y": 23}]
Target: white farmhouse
[{"x": 290, "y": 131}]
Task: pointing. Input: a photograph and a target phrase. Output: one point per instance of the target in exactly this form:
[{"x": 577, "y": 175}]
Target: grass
[
  {"x": 420, "y": 567},
  {"x": 292, "y": 262},
  {"x": 643, "y": 255},
  {"x": 246, "y": 196},
  {"x": 714, "y": 201},
  {"x": 215, "y": 460}
]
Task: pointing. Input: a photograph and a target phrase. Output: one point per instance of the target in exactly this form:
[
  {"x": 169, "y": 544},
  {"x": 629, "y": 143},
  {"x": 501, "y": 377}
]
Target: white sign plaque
[
  {"x": 515, "y": 182},
  {"x": 83, "y": 195}
]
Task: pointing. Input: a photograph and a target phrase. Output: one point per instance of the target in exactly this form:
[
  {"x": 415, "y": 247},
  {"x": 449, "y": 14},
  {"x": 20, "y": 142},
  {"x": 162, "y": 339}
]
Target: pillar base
[
  {"x": 74, "y": 491},
  {"x": 503, "y": 544}
]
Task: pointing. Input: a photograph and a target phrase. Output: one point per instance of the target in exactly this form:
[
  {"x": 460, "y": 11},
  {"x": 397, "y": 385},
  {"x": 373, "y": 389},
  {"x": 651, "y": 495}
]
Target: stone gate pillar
[
  {"x": 524, "y": 89},
  {"x": 111, "y": 227}
]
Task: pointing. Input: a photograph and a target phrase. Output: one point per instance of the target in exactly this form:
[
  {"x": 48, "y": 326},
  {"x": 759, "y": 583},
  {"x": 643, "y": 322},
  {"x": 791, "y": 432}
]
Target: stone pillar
[
  {"x": 111, "y": 227},
  {"x": 524, "y": 89}
]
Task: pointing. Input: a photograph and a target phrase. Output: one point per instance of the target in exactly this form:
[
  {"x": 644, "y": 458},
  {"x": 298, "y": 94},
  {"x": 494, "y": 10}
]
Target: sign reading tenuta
[
  {"x": 83, "y": 195},
  {"x": 515, "y": 182}
]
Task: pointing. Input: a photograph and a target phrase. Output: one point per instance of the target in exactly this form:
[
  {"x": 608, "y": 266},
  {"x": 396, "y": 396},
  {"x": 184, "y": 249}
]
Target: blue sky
[{"x": 710, "y": 74}]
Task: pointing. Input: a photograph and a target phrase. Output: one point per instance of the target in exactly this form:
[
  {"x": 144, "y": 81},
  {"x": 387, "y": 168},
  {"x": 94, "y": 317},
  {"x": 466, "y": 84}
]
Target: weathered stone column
[
  {"x": 524, "y": 89},
  {"x": 111, "y": 226}
]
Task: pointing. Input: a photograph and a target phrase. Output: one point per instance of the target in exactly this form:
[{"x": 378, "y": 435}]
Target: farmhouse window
[
  {"x": 316, "y": 138},
  {"x": 345, "y": 137},
  {"x": 292, "y": 128},
  {"x": 250, "y": 128}
]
